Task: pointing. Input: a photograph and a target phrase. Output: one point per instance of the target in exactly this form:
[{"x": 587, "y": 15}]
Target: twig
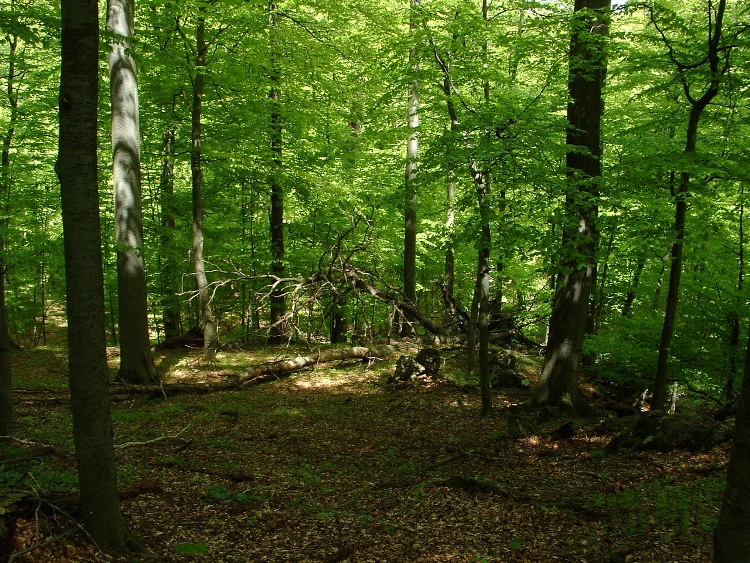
[
  {"x": 174, "y": 437},
  {"x": 36, "y": 546}
]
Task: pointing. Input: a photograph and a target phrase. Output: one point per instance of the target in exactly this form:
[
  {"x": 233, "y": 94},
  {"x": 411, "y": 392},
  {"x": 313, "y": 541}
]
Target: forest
[{"x": 416, "y": 280}]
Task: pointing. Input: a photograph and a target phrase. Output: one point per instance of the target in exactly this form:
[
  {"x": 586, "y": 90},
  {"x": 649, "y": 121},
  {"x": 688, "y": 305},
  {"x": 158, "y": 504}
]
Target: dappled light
[
  {"x": 397, "y": 475},
  {"x": 402, "y": 281}
]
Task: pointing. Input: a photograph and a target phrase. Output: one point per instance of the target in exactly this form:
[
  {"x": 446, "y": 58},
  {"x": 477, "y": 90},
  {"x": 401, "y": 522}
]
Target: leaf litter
[{"x": 330, "y": 465}]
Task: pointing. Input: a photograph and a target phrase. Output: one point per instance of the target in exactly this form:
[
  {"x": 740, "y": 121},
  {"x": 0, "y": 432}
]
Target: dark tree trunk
[
  {"x": 77, "y": 170},
  {"x": 598, "y": 291},
  {"x": 338, "y": 321},
  {"x": 627, "y": 305},
  {"x": 7, "y": 417},
  {"x": 558, "y": 384},
  {"x": 450, "y": 218},
  {"x": 208, "y": 323},
  {"x": 136, "y": 361},
  {"x": 483, "y": 288},
  {"x": 733, "y": 317},
  {"x": 410, "y": 182},
  {"x": 169, "y": 274},
  {"x": 717, "y": 57},
  {"x": 278, "y": 299},
  {"x": 482, "y": 181},
  {"x": 732, "y": 535}
]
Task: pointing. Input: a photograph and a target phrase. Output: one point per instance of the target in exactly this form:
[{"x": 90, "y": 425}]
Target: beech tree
[
  {"x": 410, "y": 177},
  {"x": 276, "y": 187},
  {"x": 207, "y": 320},
  {"x": 136, "y": 362},
  {"x": 76, "y": 168},
  {"x": 558, "y": 383},
  {"x": 712, "y": 64},
  {"x": 7, "y": 419}
]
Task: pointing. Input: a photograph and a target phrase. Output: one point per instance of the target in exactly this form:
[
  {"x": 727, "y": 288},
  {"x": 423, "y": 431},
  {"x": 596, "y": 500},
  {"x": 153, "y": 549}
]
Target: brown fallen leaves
[{"x": 335, "y": 467}]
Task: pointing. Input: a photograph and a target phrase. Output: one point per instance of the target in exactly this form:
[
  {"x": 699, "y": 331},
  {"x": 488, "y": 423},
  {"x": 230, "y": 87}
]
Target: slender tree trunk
[
  {"x": 338, "y": 321},
  {"x": 136, "y": 362},
  {"x": 732, "y": 535},
  {"x": 482, "y": 181},
  {"x": 450, "y": 219},
  {"x": 449, "y": 272},
  {"x": 733, "y": 318},
  {"x": 278, "y": 299},
  {"x": 558, "y": 384},
  {"x": 410, "y": 181},
  {"x": 210, "y": 336},
  {"x": 483, "y": 288},
  {"x": 717, "y": 58},
  {"x": 627, "y": 305},
  {"x": 169, "y": 274},
  {"x": 7, "y": 417},
  {"x": 77, "y": 170},
  {"x": 597, "y": 303}
]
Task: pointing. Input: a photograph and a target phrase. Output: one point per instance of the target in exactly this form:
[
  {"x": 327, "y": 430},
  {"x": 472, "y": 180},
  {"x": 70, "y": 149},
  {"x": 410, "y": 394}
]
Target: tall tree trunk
[
  {"x": 210, "y": 336},
  {"x": 136, "y": 361},
  {"x": 169, "y": 272},
  {"x": 449, "y": 271},
  {"x": 732, "y": 535},
  {"x": 558, "y": 384},
  {"x": 717, "y": 57},
  {"x": 482, "y": 181},
  {"x": 7, "y": 417},
  {"x": 410, "y": 180},
  {"x": 733, "y": 317},
  {"x": 483, "y": 289},
  {"x": 450, "y": 218},
  {"x": 76, "y": 168},
  {"x": 278, "y": 299}
]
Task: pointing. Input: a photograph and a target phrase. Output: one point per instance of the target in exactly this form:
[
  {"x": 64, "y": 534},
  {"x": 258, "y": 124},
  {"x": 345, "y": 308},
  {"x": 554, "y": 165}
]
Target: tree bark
[
  {"x": 7, "y": 417},
  {"x": 136, "y": 361},
  {"x": 207, "y": 321},
  {"x": 558, "y": 383},
  {"x": 732, "y": 535},
  {"x": 76, "y": 168},
  {"x": 717, "y": 58},
  {"x": 410, "y": 181},
  {"x": 278, "y": 299}
]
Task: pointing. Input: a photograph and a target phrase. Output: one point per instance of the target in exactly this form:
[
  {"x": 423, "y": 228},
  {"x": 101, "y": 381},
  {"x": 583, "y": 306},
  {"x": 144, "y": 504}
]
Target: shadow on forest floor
[{"x": 328, "y": 465}]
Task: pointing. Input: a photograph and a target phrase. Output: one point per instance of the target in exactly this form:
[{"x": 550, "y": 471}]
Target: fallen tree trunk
[{"x": 255, "y": 376}]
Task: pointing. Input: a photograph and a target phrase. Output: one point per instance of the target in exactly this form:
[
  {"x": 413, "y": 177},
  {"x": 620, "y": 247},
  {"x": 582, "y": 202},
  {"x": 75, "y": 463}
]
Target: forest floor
[{"x": 329, "y": 465}]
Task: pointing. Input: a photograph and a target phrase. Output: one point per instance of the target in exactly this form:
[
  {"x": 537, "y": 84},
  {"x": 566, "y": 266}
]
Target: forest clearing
[{"x": 329, "y": 464}]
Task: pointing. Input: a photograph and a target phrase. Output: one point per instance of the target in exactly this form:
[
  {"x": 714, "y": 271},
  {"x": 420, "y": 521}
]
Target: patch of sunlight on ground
[{"x": 351, "y": 380}]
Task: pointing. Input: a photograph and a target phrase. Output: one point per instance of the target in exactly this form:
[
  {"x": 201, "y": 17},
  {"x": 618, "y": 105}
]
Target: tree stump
[
  {"x": 429, "y": 359},
  {"x": 504, "y": 368},
  {"x": 406, "y": 370}
]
